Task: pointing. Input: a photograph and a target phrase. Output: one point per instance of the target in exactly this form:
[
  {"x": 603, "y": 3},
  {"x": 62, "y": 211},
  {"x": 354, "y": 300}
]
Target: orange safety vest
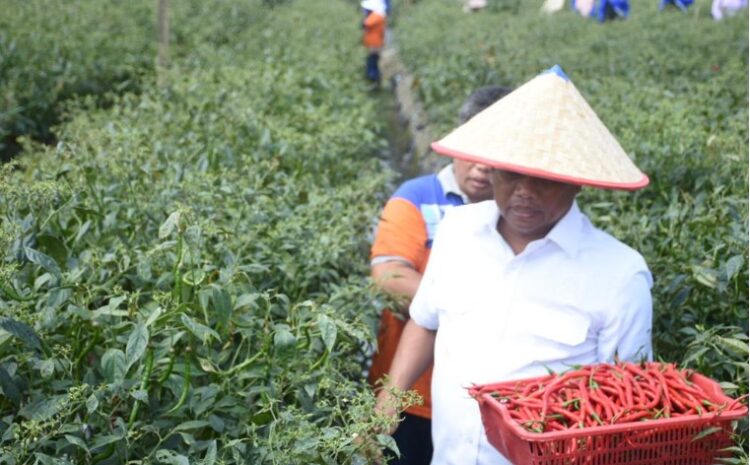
[
  {"x": 374, "y": 35},
  {"x": 401, "y": 232}
]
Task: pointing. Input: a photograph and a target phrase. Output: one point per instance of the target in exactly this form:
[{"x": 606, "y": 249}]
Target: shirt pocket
[{"x": 553, "y": 334}]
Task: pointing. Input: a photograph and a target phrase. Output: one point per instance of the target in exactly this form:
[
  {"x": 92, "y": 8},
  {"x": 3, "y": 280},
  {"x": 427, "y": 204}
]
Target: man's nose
[
  {"x": 483, "y": 169},
  {"x": 526, "y": 186}
]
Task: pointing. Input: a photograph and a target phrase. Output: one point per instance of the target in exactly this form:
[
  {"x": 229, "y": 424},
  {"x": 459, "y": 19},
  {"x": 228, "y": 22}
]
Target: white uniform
[{"x": 576, "y": 296}]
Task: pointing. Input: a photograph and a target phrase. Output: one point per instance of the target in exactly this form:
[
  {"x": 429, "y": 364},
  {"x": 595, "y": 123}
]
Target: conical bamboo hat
[{"x": 545, "y": 129}]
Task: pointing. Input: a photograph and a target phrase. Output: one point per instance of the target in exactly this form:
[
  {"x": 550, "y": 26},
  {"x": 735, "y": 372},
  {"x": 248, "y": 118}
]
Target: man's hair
[{"x": 479, "y": 100}]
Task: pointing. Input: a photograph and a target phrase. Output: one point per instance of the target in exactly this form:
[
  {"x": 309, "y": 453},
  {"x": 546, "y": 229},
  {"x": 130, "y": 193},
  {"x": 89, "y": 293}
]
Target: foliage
[
  {"x": 184, "y": 273},
  {"x": 674, "y": 88},
  {"x": 51, "y": 51}
]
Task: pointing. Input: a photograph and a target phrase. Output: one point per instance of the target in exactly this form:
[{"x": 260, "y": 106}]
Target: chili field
[{"x": 184, "y": 273}]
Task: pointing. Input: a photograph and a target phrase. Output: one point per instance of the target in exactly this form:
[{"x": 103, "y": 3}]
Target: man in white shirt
[{"x": 524, "y": 283}]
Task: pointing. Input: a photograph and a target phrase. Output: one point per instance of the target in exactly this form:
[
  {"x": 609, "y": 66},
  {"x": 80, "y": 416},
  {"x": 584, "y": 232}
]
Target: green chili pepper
[
  {"x": 185, "y": 389},
  {"x": 144, "y": 385},
  {"x": 164, "y": 376},
  {"x": 12, "y": 294},
  {"x": 177, "y": 290}
]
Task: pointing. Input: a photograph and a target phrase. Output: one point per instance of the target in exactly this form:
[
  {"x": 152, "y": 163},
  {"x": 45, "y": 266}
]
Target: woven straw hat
[{"x": 545, "y": 129}]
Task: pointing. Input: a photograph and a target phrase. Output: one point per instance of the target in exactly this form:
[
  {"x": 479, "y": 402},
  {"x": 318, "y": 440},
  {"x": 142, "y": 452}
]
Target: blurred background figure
[
  {"x": 681, "y": 4},
  {"x": 584, "y": 7},
  {"x": 373, "y": 36},
  {"x": 722, "y": 8},
  {"x": 474, "y": 5},
  {"x": 552, "y": 6},
  {"x": 602, "y": 10}
]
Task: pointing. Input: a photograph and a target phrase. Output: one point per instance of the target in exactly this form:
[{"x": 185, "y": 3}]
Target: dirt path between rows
[{"x": 400, "y": 82}]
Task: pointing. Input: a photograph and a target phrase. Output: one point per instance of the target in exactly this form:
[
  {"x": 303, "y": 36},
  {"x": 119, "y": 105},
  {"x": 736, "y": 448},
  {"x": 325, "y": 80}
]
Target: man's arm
[
  {"x": 414, "y": 354},
  {"x": 397, "y": 278},
  {"x": 398, "y": 250}
]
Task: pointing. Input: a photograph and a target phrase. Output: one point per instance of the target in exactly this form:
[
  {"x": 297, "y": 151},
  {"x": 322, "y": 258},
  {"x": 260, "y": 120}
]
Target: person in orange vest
[
  {"x": 399, "y": 256},
  {"x": 373, "y": 37}
]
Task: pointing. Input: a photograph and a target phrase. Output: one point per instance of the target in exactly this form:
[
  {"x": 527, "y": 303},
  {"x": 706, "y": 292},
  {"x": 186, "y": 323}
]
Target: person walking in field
[
  {"x": 602, "y": 10},
  {"x": 399, "y": 255},
  {"x": 523, "y": 283},
  {"x": 474, "y": 5},
  {"x": 373, "y": 37},
  {"x": 683, "y": 5},
  {"x": 723, "y": 8}
]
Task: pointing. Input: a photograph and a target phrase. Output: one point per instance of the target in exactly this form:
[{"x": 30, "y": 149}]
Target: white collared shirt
[
  {"x": 576, "y": 296},
  {"x": 449, "y": 183}
]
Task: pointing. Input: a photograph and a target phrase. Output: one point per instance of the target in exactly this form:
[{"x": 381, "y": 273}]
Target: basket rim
[{"x": 485, "y": 399}]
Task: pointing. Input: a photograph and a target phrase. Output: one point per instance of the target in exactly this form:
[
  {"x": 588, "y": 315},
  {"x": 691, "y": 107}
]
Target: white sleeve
[
  {"x": 627, "y": 333},
  {"x": 423, "y": 309}
]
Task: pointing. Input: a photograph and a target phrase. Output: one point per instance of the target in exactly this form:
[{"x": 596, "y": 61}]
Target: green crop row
[
  {"x": 53, "y": 51},
  {"x": 183, "y": 277},
  {"x": 673, "y": 88}
]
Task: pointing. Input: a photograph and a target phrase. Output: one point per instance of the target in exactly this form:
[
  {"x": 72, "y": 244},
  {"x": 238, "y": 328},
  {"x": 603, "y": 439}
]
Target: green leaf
[
  {"x": 23, "y": 332},
  {"x": 283, "y": 338},
  {"x": 92, "y": 403},
  {"x": 202, "y": 332},
  {"x": 140, "y": 394},
  {"x": 217, "y": 424},
  {"x": 101, "y": 441},
  {"x": 328, "y": 331},
  {"x": 9, "y": 387},
  {"x": 733, "y": 266},
  {"x": 222, "y": 305},
  {"x": 389, "y": 443},
  {"x": 171, "y": 458},
  {"x": 154, "y": 315},
  {"x": 57, "y": 297},
  {"x": 47, "y": 368},
  {"x": 207, "y": 365},
  {"x": 706, "y": 276},
  {"x": 42, "y": 409},
  {"x": 54, "y": 247},
  {"x": 75, "y": 440},
  {"x": 246, "y": 300},
  {"x": 733, "y": 345},
  {"x": 192, "y": 424},
  {"x": 114, "y": 365},
  {"x": 137, "y": 343},
  {"x": 45, "y": 459},
  {"x": 165, "y": 230},
  {"x": 210, "y": 457},
  {"x": 193, "y": 277},
  {"x": 45, "y": 261}
]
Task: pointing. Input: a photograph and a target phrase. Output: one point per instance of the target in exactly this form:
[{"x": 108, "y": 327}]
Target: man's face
[
  {"x": 473, "y": 179},
  {"x": 530, "y": 206}
]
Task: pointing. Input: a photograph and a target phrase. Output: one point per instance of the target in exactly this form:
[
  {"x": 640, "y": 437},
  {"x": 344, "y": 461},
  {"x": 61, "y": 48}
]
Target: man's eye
[{"x": 509, "y": 175}]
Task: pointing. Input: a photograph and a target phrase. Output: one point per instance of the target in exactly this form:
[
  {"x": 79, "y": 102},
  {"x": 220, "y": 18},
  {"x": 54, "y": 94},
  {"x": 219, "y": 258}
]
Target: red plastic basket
[{"x": 667, "y": 441}]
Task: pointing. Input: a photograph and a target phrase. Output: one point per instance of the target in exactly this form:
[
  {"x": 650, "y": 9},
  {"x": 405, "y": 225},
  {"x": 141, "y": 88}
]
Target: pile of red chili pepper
[{"x": 604, "y": 394}]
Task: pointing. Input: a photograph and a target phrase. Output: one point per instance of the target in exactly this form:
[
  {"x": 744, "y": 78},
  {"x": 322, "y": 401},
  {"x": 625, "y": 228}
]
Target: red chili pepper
[{"x": 606, "y": 394}]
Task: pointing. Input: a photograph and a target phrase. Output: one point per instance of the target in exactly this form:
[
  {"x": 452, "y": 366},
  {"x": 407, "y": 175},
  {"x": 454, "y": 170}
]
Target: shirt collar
[
  {"x": 447, "y": 179},
  {"x": 567, "y": 233}
]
